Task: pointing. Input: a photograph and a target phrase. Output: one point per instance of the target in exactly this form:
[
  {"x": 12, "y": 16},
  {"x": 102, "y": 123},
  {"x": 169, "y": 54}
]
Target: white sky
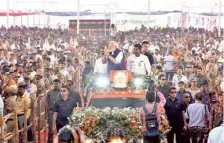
[{"x": 113, "y": 5}]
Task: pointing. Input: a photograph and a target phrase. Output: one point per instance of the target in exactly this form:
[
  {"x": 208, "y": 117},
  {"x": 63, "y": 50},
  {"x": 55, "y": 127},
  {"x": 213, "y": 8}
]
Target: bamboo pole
[
  {"x": 33, "y": 103},
  {"x": 25, "y": 127},
  {"x": 16, "y": 130},
  {"x": 39, "y": 115}
]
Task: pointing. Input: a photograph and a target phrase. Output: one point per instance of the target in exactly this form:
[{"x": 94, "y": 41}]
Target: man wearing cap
[{"x": 10, "y": 93}]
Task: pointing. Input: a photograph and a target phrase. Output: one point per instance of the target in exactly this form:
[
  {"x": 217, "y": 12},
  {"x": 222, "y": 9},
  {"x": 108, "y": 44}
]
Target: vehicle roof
[
  {"x": 117, "y": 95},
  {"x": 100, "y": 95}
]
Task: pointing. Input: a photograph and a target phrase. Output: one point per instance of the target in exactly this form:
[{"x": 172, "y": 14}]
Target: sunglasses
[
  {"x": 163, "y": 79},
  {"x": 187, "y": 97},
  {"x": 63, "y": 91}
]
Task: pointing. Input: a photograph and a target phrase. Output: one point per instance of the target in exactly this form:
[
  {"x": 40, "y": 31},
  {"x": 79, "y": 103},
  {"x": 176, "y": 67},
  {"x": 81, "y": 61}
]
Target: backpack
[{"x": 151, "y": 122}]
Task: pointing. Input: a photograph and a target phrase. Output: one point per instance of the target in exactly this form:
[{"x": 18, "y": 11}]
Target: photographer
[{"x": 151, "y": 133}]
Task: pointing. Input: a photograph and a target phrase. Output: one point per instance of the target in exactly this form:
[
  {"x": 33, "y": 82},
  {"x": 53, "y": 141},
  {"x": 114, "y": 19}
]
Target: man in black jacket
[{"x": 145, "y": 51}]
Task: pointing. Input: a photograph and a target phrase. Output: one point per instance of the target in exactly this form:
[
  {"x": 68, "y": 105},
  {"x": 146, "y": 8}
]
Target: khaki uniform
[
  {"x": 42, "y": 89},
  {"x": 17, "y": 104}
]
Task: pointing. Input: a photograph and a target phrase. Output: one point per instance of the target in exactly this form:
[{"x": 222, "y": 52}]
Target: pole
[
  {"x": 105, "y": 32},
  {"x": 28, "y": 20},
  {"x": 39, "y": 19},
  {"x": 220, "y": 8},
  {"x": 21, "y": 20},
  {"x": 34, "y": 20},
  {"x": 148, "y": 11},
  {"x": 14, "y": 18},
  {"x": 78, "y": 14},
  {"x": 7, "y": 13}
]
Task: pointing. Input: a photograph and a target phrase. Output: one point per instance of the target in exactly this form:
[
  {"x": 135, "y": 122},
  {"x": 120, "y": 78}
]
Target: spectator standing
[
  {"x": 201, "y": 79},
  {"x": 168, "y": 66},
  {"x": 189, "y": 61},
  {"x": 205, "y": 94},
  {"x": 52, "y": 96},
  {"x": 128, "y": 48},
  {"x": 216, "y": 112},
  {"x": 198, "y": 114},
  {"x": 179, "y": 77},
  {"x": 212, "y": 72},
  {"x": 193, "y": 87},
  {"x": 87, "y": 70}
]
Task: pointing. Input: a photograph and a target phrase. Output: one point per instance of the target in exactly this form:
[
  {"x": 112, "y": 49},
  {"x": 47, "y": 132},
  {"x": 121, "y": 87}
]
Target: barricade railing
[{"x": 22, "y": 133}]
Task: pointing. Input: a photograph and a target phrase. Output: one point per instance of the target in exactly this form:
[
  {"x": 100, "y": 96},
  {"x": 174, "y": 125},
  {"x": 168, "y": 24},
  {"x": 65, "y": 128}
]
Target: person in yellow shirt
[{"x": 22, "y": 107}]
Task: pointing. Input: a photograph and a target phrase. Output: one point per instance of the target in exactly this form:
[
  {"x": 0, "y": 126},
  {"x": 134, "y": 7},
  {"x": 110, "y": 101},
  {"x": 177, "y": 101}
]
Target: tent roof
[{"x": 113, "y": 5}]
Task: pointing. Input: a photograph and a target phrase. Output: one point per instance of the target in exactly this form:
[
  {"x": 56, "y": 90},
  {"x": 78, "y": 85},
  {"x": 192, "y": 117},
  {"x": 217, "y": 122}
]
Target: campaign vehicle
[{"x": 121, "y": 90}]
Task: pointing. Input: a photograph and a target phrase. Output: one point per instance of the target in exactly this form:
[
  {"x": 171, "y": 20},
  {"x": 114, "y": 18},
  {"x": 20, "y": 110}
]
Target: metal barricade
[{"x": 5, "y": 137}]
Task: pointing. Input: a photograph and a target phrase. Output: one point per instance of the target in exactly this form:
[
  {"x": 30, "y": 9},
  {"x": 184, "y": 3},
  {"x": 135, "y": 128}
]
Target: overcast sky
[{"x": 113, "y": 5}]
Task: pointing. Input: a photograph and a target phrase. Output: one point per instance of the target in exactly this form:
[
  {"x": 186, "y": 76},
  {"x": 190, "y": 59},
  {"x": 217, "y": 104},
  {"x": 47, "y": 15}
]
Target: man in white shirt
[
  {"x": 128, "y": 47},
  {"x": 153, "y": 47},
  {"x": 138, "y": 63},
  {"x": 100, "y": 65},
  {"x": 179, "y": 77},
  {"x": 216, "y": 135},
  {"x": 168, "y": 66},
  {"x": 197, "y": 49}
]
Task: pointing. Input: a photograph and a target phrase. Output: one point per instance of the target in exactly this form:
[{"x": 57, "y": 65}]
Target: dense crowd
[{"x": 188, "y": 64}]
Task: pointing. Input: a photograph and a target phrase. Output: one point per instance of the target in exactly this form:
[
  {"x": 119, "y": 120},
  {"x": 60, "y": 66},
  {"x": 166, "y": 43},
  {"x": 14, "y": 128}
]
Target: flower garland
[
  {"x": 102, "y": 125},
  {"x": 112, "y": 124}
]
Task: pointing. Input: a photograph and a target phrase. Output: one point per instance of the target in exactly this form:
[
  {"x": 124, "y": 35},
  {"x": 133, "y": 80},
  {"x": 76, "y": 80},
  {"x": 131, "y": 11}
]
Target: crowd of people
[{"x": 45, "y": 63}]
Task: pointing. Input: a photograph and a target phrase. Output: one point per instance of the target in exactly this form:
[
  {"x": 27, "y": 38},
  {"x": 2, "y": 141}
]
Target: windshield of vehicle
[{"x": 118, "y": 102}]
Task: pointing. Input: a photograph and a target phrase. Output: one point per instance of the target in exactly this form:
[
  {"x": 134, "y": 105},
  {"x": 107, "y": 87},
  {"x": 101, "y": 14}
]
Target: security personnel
[{"x": 10, "y": 93}]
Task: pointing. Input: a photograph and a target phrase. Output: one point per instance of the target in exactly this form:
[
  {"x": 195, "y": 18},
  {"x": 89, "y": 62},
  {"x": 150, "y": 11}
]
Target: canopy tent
[
  {"x": 131, "y": 13},
  {"x": 194, "y": 6},
  {"x": 17, "y": 13},
  {"x": 59, "y": 12}
]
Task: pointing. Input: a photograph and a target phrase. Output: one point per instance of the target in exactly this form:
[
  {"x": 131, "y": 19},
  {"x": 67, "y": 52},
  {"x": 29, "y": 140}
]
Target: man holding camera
[{"x": 150, "y": 116}]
